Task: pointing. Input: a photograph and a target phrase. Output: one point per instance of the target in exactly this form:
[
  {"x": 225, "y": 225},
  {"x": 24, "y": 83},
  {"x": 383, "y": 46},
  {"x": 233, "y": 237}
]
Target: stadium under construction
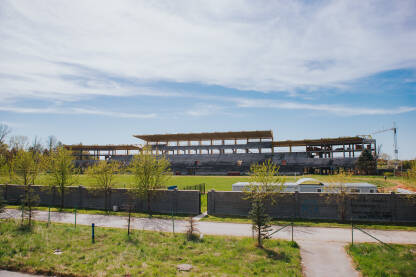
[{"x": 232, "y": 153}]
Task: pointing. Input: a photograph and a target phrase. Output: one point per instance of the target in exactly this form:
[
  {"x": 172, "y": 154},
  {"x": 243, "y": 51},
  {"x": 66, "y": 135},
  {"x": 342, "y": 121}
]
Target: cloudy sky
[{"x": 100, "y": 71}]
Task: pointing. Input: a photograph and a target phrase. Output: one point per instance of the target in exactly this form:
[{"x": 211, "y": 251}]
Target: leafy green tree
[
  {"x": 104, "y": 174},
  {"x": 366, "y": 163},
  {"x": 27, "y": 166},
  {"x": 265, "y": 184},
  {"x": 411, "y": 172},
  {"x": 150, "y": 173},
  {"x": 61, "y": 167}
]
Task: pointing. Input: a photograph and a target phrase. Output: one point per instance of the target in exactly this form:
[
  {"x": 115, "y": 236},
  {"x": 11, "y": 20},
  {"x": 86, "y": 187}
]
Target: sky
[{"x": 98, "y": 72}]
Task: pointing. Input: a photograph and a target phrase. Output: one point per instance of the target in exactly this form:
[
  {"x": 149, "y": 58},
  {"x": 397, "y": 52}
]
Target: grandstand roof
[
  {"x": 322, "y": 141},
  {"x": 207, "y": 136},
  {"x": 80, "y": 147}
]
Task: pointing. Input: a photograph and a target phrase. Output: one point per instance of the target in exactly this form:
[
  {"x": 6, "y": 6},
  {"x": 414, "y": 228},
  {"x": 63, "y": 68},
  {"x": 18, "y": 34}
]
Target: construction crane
[{"x": 394, "y": 129}]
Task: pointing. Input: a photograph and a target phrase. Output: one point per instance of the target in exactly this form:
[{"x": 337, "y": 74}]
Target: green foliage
[
  {"x": 149, "y": 173},
  {"x": 293, "y": 244},
  {"x": 378, "y": 260},
  {"x": 61, "y": 169},
  {"x": 28, "y": 166},
  {"x": 260, "y": 220},
  {"x": 411, "y": 172},
  {"x": 145, "y": 253},
  {"x": 366, "y": 163},
  {"x": 2, "y": 202},
  {"x": 104, "y": 174},
  {"x": 264, "y": 184}
]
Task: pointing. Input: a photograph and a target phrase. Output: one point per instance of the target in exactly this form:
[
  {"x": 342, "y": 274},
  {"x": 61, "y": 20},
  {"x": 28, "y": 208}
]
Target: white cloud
[
  {"x": 205, "y": 109},
  {"x": 257, "y": 45},
  {"x": 333, "y": 109},
  {"x": 73, "y": 110}
]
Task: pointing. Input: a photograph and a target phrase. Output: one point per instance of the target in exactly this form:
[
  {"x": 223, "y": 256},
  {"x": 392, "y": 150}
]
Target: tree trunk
[
  {"x": 105, "y": 201},
  {"x": 62, "y": 197},
  {"x": 259, "y": 243},
  {"x": 149, "y": 210},
  {"x": 30, "y": 211}
]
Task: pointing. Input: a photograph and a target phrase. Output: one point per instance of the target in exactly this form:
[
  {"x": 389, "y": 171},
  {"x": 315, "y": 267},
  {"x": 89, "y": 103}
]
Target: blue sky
[{"x": 99, "y": 72}]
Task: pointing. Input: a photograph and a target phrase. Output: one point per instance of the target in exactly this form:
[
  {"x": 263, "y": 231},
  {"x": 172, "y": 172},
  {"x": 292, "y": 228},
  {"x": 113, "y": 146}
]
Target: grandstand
[{"x": 232, "y": 153}]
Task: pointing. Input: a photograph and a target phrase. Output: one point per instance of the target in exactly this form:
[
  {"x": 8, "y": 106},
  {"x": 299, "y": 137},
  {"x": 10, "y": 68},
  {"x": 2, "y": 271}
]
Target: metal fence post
[
  {"x": 49, "y": 215},
  {"x": 173, "y": 223},
  {"x": 75, "y": 212},
  {"x": 292, "y": 230},
  {"x": 352, "y": 233},
  {"x": 92, "y": 235}
]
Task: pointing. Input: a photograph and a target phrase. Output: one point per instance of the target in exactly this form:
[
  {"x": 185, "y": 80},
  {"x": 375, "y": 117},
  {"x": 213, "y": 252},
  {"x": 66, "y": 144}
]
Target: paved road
[
  {"x": 5, "y": 273},
  {"x": 321, "y": 248}
]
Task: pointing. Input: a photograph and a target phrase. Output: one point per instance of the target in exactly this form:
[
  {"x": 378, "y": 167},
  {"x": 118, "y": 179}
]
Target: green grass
[
  {"x": 125, "y": 180},
  {"x": 145, "y": 253},
  {"x": 315, "y": 223},
  {"x": 378, "y": 260},
  {"x": 101, "y": 212},
  {"x": 222, "y": 183}
]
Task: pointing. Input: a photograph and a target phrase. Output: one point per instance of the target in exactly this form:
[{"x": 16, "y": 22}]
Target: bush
[{"x": 293, "y": 244}]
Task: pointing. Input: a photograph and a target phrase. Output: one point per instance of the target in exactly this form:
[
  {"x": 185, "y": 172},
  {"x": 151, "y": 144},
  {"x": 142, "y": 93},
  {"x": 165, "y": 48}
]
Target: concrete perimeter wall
[
  {"x": 359, "y": 207},
  {"x": 164, "y": 201}
]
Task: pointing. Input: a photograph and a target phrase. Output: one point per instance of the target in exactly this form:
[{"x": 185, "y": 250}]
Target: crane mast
[{"x": 394, "y": 129}]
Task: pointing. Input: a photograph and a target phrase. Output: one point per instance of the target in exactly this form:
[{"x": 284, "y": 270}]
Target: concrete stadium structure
[{"x": 232, "y": 153}]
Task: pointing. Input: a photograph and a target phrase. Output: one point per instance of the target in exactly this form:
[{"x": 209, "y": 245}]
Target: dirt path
[
  {"x": 321, "y": 248},
  {"x": 397, "y": 184}
]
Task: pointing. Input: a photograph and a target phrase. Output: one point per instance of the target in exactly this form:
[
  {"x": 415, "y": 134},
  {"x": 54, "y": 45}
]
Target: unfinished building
[{"x": 232, "y": 153}]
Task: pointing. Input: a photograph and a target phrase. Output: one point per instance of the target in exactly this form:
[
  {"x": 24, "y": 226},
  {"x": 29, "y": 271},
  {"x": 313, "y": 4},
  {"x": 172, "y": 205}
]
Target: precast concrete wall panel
[
  {"x": 359, "y": 207},
  {"x": 162, "y": 201}
]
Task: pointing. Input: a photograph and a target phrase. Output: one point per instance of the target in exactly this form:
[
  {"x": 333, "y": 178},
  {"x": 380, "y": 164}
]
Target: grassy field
[
  {"x": 144, "y": 253},
  {"x": 101, "y": 212},
  {"x": 224, "y": 183},
  {"x": 378, "y": 260}
]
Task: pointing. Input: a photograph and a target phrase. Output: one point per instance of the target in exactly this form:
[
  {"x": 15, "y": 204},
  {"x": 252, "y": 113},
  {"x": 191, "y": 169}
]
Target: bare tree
[
  {"x": 51, "y": 143},
  {"x": 18, "y": 142},
  {"x": 337, "y": 192},
  {"x": 36, "y": 146},
  {"x": 192, "y": 231},
  {"x": 4, "y": 131}
]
